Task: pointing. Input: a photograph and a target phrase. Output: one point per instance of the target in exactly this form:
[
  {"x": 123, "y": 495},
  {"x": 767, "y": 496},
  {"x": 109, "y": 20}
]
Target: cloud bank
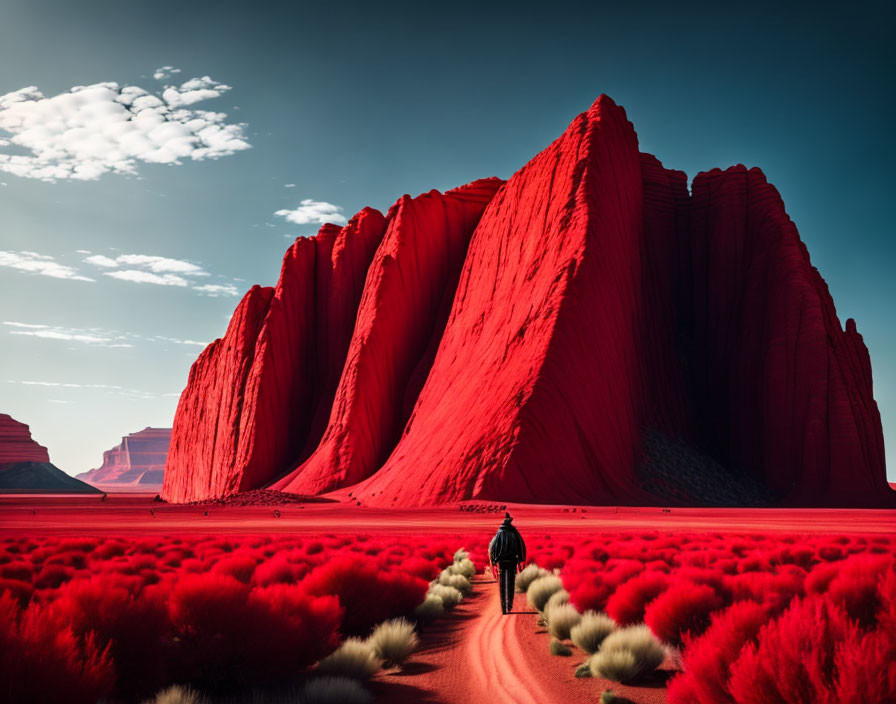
[
  {"x": 41, "y": 264},
  {"x": 93, "y": 130},
  {"x": 314, "y": 211},
  {"x": 161, "y": 271}
]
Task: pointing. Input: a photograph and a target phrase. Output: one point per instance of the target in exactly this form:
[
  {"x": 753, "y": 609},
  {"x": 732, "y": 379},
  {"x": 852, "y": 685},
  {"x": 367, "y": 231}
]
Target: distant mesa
[
  {"x": 590, "y": 331},
  {"x": 137, "y": 463},
  {"x": 25, "y": 466}
]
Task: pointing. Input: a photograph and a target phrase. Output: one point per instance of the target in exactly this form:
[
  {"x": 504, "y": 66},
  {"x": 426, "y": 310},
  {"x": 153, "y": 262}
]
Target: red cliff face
[
  {"x": 587, "y": 332},
  {"x": 138, "y": 461},
  {"x": 16, "y": 444}
]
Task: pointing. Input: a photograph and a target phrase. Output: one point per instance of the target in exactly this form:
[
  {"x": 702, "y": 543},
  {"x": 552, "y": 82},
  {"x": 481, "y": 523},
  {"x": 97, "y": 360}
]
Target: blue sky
[{"x": 354, "y": 104}]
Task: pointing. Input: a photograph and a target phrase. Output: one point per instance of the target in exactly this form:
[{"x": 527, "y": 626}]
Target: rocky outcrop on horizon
[
  {"x": 25, "y": 465},
  {"x": 588, "y": 332},
  {"x": 16, "y": 443},
  {"x": 137, "y": 462}
]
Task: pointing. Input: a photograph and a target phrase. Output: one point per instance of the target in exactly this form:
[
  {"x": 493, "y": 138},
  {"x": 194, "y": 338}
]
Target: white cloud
[
  {"x": 314, "y": 211},
  {"x": 40, "y": 264},
  {"x": 161, "y": 264},
  {"x": 115, "y": 389},
  {"x": 165, "y": 72},
  {"x": 89, "y": 336},
  {"x": 93, "y": 130},
  {"x": 215, "y": 290},
  {"x": 147, "y": 277},
  {"x": 289, "y": 185},
  {"x": 177, "y": 341},
  {"x": 92, "y": 336},
  {"x": 100, "y": 260},
  {"x": 162, "y": 271}
]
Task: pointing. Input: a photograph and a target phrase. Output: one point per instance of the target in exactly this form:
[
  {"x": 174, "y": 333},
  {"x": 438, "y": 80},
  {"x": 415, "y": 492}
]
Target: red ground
[
  {"x": 139, "y": 515},
  {"x": 473, "y": 654}
]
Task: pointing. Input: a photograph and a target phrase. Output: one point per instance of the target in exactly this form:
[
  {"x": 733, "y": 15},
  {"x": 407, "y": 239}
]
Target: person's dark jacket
[{"x": 507, "y": 545}]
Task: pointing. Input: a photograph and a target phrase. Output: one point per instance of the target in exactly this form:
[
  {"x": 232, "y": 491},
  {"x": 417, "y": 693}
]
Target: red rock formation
[
  {"x": 16, "y": 444},
  {"x": 589, "y": 332},
  {"x": 413, "y": 273},
  {"x": 138, "y": 461}
]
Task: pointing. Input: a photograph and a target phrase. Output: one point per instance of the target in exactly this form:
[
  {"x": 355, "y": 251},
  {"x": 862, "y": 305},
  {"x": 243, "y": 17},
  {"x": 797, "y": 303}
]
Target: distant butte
[
  {"x": 590, "y": 331},
  {"x": 25, "y": 466},
  {"x": 137, "y": 463}
]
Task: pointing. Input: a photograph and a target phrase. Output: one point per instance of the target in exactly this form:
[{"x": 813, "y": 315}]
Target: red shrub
[
  {"x": 52, "y": 576},
  {"x": 794, "y": 658},
  {"x": 682, "y": 609},
  {"x": 42, "y": 663},
  {"x": 239, "y": 566},
  {"x": 367, "y": 594},
  {"x": 772, "y": 591},
  {"x": 17, "y": 589},
  {"x": 134, "y": 628},
  {"x": 627, "y": 604},
  {"x": 17, "y": 570},
  {"x": 708, "y": 658},
  {"x": 291, "y": 630},
  {"x": 277, "y": 570}
]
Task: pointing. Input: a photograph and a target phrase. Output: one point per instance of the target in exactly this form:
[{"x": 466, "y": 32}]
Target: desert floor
[{"x": 473, "y": 654}]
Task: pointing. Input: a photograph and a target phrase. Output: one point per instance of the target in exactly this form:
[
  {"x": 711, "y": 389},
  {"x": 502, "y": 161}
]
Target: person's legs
[
  {"x": 511, "y": 582},
  {"x": 502, "y": 589}
]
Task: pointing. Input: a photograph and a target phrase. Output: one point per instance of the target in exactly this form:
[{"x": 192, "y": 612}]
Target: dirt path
[
  {"x": 496, "y": 660},
  {"x": 476, "y": 655}
]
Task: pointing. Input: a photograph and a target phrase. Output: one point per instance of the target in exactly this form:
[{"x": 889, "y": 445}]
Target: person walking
[{"x": 507, "y": 552}]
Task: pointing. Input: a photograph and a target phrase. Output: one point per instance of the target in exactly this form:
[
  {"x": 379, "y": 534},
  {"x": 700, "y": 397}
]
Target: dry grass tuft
[
  {"x": 450, "y": 596},
  {"x": 458, "y": 581},
  {"x": 464, "y": 567},
  {"x": 528, "y": 575},
  {"x": 354, "y": 658},
  {"x": 558, "y": 648},
  {"x": 627, "y": 655},
  {"x": 560, "y": 619},
  {"x": 177, "y": 695},
  {"x": 335, "y": 690},
  {"x": 557, "y": 598},
  {"x": 590, "y": 631},
  {"x": 430, "y": 609},
  {"x": 393, "y": 641},
  {"x": 541, "y": 590}
]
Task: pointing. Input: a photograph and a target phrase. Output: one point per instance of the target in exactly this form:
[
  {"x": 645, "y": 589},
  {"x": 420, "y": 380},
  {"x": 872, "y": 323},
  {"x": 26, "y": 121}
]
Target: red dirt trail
[{"x": 477, "y": 656}]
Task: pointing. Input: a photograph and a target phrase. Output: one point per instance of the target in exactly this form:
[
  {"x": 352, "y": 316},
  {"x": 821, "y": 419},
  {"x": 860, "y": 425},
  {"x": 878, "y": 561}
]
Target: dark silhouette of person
[{"x": 508, "y": 551}]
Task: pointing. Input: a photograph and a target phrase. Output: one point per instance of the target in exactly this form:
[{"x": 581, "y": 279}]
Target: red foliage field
[
  {"x": 756, "y": 618},
  {"x": 86, "y": 618}
]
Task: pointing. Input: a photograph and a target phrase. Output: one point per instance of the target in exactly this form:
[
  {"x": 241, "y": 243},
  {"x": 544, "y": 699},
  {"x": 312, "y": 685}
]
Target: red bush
[
  {"x": 684, "y": 608},
  {"x": 708, "y": 658},
  {"x": 626, "y": 606},
  {"x": 42, "y": 663},
  {"x": 367, "y": 594}
]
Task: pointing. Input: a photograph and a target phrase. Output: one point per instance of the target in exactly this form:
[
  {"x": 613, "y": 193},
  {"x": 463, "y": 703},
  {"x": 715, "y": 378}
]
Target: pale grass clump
[
  {"x": 458, "y": 581},
  {"x": 431, "y": 608},
  {"x": 177, "y": 695},
  {"x": 541, "y": 590},
  {"x": 528, "y": 575},
  {"x": 334, "y": 690},
  {"x": 560, "y": 619},
  {"x": 591, "y": 630},
  {"x": 627, "y": 655},
  {"x": 450, "y": 596},
  {"x": 557, "y": 598},
  {"x": 393, "y": 641},
  {"x": 354, "y": 658},
  {"x": 464, "y": 567},
  {"x": 558, "y": 648},
  {"x": 461, "y": 554}
]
